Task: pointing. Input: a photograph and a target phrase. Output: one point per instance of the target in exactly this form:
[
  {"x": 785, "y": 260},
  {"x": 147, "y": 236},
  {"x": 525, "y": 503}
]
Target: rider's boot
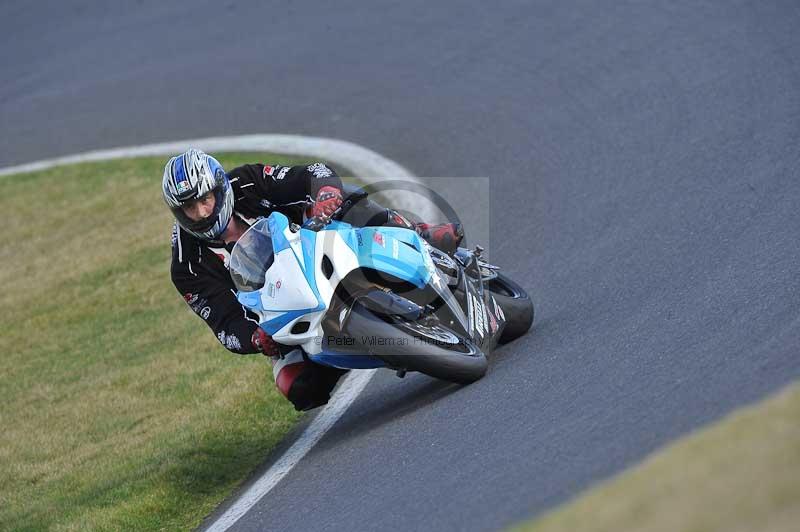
[{"x": 445, "y": 237}]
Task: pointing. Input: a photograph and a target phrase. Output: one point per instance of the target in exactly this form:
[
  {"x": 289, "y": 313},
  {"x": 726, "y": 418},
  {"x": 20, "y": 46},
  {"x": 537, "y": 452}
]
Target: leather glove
[
  {"x": 328, "y": 200},
  {"x": 264, "y": 343}
]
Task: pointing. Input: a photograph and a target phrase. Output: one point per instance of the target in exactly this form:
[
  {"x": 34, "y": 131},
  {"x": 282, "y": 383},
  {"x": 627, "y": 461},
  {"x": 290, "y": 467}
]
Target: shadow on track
[{"x": 406, "y": 398}]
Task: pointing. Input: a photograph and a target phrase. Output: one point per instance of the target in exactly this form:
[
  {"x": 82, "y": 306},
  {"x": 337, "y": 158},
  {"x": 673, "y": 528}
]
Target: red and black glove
[
  {"x": 328, "y": 200},
  {"x": 264, "y": 343}
]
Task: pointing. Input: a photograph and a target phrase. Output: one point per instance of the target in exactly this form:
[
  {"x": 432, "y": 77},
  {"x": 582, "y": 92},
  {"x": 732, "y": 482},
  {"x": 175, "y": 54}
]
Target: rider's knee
[{"x": 305, "y": 384}]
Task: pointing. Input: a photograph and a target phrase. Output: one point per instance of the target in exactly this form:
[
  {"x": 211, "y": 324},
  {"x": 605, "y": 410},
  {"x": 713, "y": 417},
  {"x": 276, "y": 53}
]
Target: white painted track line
[{"x": 347, "y": 393}]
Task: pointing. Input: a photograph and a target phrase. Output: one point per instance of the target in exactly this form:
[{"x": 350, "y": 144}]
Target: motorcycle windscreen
[{"x": 251, "y": 258}]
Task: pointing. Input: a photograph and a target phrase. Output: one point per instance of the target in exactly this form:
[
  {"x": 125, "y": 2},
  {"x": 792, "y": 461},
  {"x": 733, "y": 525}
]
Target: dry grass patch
[{"x": 740, "y": 474}]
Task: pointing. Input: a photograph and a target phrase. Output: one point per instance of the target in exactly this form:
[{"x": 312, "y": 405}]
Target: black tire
[
  {"x": 516, "y": 305},
  {"x": 462, "y": 363}
]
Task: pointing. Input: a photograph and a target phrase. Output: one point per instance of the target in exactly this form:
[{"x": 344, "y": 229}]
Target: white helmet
[{"x": 190, "y": 176}]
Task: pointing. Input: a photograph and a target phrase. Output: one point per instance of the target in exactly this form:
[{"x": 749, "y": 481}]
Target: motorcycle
[{"x": 371, "y": 297}]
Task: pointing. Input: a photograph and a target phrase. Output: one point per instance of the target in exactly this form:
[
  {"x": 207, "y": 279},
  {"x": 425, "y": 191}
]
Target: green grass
[
  {"x": 120, "y": 410},
  {"x": 740, "y": 474}
]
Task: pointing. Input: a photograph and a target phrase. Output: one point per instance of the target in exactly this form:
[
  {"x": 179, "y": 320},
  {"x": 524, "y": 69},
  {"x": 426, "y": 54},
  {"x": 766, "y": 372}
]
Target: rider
[{"x": 213, "y": 209}]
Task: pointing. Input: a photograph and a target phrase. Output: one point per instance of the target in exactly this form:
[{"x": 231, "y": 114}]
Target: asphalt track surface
[{"x": 643, "y": 161}]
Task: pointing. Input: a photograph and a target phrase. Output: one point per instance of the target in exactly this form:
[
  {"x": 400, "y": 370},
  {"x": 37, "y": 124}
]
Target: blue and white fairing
[{"x": 295, "y": 288}]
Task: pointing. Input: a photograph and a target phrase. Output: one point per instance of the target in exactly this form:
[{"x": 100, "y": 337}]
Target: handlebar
[{"x": 315, "y": 223}]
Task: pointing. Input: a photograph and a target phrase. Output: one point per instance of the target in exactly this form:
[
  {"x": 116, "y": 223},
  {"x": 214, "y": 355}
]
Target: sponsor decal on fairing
[
  {"x": 498, "y": 310},
  {"x": 273, "y": 288},
  {"x": 478, "y": 315},
  {"x": 492, "y": 323}
]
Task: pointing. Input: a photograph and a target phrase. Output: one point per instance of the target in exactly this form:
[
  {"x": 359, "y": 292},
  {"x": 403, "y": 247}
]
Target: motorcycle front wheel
[
  {"x": 430, "y": 348},
  {"x": 516, "y": 305}
]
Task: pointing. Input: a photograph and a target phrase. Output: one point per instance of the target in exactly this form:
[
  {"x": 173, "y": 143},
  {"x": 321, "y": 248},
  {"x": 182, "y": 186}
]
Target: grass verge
[
  {"x": 740, "y": 474},
  {"x": 120, "y": 410}
]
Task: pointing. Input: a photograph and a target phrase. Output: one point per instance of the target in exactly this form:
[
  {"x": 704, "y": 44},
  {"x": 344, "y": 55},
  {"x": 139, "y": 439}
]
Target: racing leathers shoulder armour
[{"x": 200, "y": 268}]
